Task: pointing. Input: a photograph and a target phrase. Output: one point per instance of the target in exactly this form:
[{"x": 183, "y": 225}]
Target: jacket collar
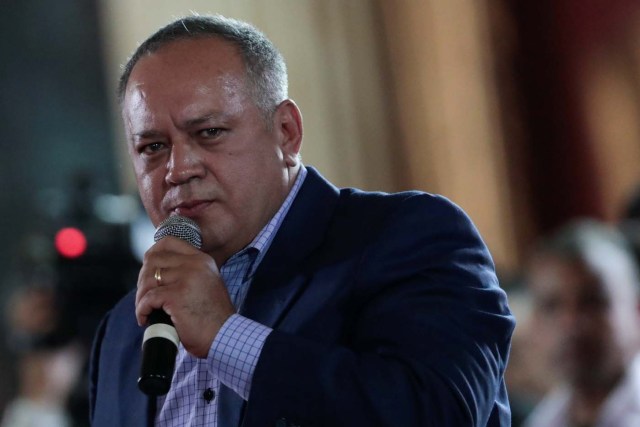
[{"x": 278, "y": 279}]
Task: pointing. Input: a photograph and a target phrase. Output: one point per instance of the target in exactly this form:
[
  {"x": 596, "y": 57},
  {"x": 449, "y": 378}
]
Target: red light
[{"x": 70, "y": 242}]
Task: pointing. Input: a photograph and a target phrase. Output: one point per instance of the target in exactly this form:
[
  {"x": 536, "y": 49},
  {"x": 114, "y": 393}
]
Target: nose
[
  {"x": 185, "y": 164},
  {"x": 575, "y": 319},
  {"x": 569, "y": 319}
]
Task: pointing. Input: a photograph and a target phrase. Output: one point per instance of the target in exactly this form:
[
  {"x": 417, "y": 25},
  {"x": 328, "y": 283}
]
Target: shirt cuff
[{"x": 235, "y": 351}]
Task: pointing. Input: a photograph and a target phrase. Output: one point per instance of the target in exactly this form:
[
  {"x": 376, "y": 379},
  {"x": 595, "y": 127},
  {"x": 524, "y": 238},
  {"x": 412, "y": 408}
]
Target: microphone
[{"x": 160, "y": 341}]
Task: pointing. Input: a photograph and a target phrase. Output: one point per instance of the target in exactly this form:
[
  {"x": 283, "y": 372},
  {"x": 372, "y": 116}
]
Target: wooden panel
[{"x": 441, "y": 59}]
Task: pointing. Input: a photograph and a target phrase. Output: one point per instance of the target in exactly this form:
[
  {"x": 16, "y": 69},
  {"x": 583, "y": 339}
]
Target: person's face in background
[
  {"x": 201, "y": 147},
  {"x": 586, "y": 317}
]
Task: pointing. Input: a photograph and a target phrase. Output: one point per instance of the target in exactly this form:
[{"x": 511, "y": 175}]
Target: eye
[
  {"x": 210, "y": 133},
  {"x": 151, "y": 148},
  {"x": 548, "y": 305}
]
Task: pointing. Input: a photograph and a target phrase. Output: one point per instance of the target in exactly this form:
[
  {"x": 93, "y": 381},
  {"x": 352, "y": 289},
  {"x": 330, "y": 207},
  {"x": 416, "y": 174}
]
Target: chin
[{"x": 214, "y": 239}]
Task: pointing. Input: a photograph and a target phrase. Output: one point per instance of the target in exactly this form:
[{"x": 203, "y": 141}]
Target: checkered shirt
[{"x": 234, "y": 353}]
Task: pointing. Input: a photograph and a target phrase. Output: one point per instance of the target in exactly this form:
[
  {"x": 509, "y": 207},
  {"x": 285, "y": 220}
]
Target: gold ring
[{"x": 158, "y": 276}]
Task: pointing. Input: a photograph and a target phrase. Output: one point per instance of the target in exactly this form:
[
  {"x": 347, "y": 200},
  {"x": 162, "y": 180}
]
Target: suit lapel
[
  {"x": 137, "y": 400},
  {"x": 230, "y": 407},
  {"x": 281, "y": 276}
]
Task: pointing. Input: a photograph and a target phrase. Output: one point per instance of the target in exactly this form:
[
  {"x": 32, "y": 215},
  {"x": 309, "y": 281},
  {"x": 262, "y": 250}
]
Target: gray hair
[
  {"x": 601, "y": 247},
  {"x": 265, "y": 67}
]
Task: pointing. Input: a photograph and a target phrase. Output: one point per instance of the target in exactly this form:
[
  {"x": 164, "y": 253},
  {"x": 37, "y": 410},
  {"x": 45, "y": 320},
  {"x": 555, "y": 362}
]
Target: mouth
[{"x": 190, "y": 208}]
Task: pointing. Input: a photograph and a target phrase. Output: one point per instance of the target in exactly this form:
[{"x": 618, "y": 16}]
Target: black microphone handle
[
  {"x": 159, "y": 350},
  {"x": 160, "y": 341}
]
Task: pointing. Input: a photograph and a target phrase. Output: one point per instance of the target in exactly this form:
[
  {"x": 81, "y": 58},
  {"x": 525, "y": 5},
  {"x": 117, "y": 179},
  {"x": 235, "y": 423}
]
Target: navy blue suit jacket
[{"x": 386, "y": 312}]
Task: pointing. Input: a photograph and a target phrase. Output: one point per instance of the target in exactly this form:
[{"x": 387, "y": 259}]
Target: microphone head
[{"x": 181, "y": 227}]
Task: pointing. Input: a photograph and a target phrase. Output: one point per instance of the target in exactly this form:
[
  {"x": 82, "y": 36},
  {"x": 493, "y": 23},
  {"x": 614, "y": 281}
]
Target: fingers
[
  {"x": 186, "y": 284},
  {"x": 153, "y": 294},
  {"x": 155, "y": 272},
  {"x": 173, "y": 244},
  {"x": 151, "y": 300},
  {"x": 167, "y": 254},
  {"x": 177, "y": 264}
]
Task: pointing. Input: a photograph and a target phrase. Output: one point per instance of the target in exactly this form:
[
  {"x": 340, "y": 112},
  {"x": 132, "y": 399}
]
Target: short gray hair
[
  {"x": 598, "y": 245},
  {"x": 266, "y": 70}
]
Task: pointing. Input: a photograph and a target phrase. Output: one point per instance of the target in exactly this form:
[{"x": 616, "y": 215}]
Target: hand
[{"x": 191, "y": 292}]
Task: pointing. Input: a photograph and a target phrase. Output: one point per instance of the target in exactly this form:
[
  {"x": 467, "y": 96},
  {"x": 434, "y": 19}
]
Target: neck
[
  {"x": 588, "y": 398},
  {"x": 221, "y": 256}
]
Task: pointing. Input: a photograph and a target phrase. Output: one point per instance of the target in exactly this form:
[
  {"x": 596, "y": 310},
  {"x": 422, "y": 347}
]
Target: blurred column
[
  {"x": 610, "y": 86},
  {"x": 446, "y": 107}
]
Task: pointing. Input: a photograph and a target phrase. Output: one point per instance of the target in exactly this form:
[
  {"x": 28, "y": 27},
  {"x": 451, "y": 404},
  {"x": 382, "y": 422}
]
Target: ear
[{"x": 287, "y": 122}]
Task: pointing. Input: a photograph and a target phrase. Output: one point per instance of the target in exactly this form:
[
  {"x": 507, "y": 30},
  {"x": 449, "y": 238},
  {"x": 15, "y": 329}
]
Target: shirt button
[{"x": 208, "y": 395}]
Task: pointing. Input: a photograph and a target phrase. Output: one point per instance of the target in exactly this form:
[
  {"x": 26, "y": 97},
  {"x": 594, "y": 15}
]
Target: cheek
[
  {"x": 250, "y": 178},
  {"x": 623, "y": 325},
  {"x": 145, "y": 186},
  {"x": 150, "y": 196}
]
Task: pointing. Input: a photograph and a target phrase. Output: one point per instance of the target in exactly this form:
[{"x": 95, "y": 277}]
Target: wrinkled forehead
[
  {"x": 189, "y": 61},
  {"x": 571, "y": 277},
  {"x": 186, "y": 79},
  {"x": 549, "y": 274}
]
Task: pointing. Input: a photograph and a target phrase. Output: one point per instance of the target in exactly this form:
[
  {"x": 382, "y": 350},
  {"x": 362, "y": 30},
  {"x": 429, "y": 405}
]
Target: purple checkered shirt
[{"x": 234, "y": 353}]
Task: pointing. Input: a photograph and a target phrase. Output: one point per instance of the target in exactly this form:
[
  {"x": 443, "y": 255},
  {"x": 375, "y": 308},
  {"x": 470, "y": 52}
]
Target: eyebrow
[
  {"x": 147, "y": 134},
  {"x": 150, "y": 134},
  {"x": 200, "y": 120}
]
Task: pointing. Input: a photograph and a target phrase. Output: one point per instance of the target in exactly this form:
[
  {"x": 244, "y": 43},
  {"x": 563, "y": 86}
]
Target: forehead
[
  {"x": 201, "y": 52},
  {"x": 554, "y": 275},
  {"x": 204, "y": 60},
  {"x": 185, "y": 79}
]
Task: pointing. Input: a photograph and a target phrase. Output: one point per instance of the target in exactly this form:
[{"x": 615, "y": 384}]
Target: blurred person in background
[
  {"x": 528, "y": 378},
  {"x": 49, "y": 360},
  {"x": 629, "y": 223},
  {"x": 584, "y": 285}
]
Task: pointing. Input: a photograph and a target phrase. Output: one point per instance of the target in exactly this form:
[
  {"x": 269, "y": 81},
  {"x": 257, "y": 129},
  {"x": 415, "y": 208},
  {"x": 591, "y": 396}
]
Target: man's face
[
  {"x": 201, "y": 148},
  {"x": 579, "y": 313}
]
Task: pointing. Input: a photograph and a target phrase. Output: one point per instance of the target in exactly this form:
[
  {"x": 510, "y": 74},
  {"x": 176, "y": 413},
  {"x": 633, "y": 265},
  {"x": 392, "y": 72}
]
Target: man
[
  {"x": 584, "y": 286},
  {"x": 307, "y": 305}
]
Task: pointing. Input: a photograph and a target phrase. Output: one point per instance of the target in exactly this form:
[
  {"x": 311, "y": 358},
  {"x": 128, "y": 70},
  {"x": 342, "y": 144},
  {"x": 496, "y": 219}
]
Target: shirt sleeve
[{"x": 235, "y": 351}]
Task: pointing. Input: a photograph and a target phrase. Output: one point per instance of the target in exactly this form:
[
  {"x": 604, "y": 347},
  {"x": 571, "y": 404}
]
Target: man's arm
[
  {"x": 94, "y": 366},
  {"x": 430, "y": 341}
]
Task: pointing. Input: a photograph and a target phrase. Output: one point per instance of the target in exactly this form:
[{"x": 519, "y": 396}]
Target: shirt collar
[{"x": 260, "y": 244}]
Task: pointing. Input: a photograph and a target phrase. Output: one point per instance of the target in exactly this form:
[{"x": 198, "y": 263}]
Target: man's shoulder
[
  {"x": 126, "y": 305},
  {"x": 355, "y": 199},
  {"x": 120, "y": 320},
  {"x": 349, "y": 205},
  {"x": 395, "y": 222},
  {"x": 114, "y": 366},
  {"x": 372, "y": 206}
]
